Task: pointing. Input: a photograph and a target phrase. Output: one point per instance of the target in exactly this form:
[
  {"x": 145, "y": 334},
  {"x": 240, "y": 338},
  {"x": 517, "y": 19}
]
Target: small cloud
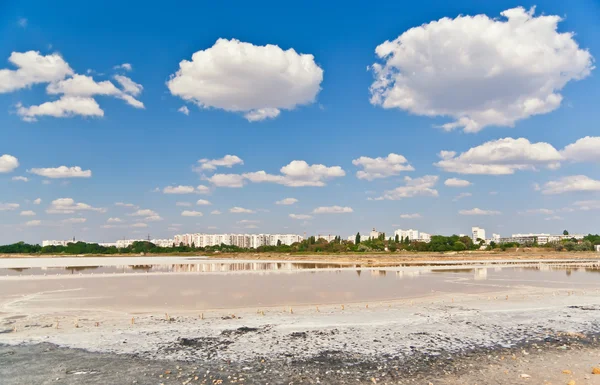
[
  {"x": 410, "y": 216},
  {"x": 184, "y": 110},
  {"x": 20, "y": 179},
  {"x": 300, "y": 216},
  {"x": 23, "y": 22},
  {"x": 241, "y": 210},
  {"x": 190, "y": 213},
  {"x": 332, "y": 210},
  {"x": 477, "y": 211},
  {"x": 287, "y": 201},
  {"x": 124, "y": 66}
]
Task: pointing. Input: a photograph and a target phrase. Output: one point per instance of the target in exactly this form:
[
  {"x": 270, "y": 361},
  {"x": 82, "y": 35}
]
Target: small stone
[
  {"x": 525, "y": 375},
  {"x": 572, "y": 382},
  {"x": 566, "y": 371},
  {"x": 595, "y": 370}
]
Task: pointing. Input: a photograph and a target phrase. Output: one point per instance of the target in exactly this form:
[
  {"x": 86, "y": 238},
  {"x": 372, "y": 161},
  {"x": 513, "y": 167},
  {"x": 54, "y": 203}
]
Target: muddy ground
[{"x": 550, "y": 361}]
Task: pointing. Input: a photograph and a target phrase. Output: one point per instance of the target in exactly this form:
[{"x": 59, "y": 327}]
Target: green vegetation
[{"x": 439, "y": 243}]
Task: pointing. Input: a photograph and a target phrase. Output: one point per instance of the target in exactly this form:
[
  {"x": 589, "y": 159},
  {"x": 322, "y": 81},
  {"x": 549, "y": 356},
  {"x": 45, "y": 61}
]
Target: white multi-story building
[
  {"x": 477, "y": 233},
  {"x": 328, "y": 238},
  {"x": 412, "y": 235},
  {"x": 286, "y": 239},
  {"x": 239, "y": 240},
  {"x": 496, "y": 238},
  {"x": 424, "y": 237},
  {"x": 58, "y": 243},
  {"x": 540, "y": 238},
  {"x": 374, "y": 234}
]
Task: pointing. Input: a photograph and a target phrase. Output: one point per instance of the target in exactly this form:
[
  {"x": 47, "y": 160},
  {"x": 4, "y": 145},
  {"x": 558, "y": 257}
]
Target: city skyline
[{"x": 299, "y": 130}]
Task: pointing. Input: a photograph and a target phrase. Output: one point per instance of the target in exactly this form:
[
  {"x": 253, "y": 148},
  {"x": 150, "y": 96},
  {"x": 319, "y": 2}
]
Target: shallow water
[{"x": 224, "y": 284}]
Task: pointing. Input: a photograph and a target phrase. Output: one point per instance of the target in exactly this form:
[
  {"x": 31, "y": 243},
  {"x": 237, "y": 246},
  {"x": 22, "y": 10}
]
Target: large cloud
[
  {"x": 76, "y": 91},
  {"x": 298, "y": 173},
  {"x": 478, "y": 70},
  {"x": 501, "y": 157},
  {"x": 241, "y": 77},
  {"x": 8, "y": 163},
  {"x": 423, "y": 186},
  {"x": 374, "y": 168},
  {"x": 583, "y": 150},
  {"x": 32, "y": 68}
]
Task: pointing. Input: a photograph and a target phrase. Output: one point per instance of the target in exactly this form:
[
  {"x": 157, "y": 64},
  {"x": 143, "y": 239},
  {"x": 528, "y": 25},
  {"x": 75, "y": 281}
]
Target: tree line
[{"x": 438, "y": 243}]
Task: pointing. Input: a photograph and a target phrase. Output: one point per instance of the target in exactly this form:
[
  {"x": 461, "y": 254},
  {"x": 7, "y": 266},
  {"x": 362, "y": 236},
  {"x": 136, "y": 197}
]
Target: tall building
[{"x": 478, "y": 233}]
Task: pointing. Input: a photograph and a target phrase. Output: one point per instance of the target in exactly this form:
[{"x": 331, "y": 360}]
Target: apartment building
[{"x": 477, "y": 233}]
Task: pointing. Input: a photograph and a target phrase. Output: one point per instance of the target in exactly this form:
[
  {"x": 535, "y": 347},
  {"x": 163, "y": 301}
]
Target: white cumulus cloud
[
  {"x": 227, "y": 180},
  {"x": 128, "y": 85},
  {"x": 32, "y": 68},
  {"x": 8, "y": 163},
  {"x": 143, "y": 213},
  {"x": 179, "y": 190},
  {"x": 298, "y": 173},
  {"x": 27, "y": 213},
  {"x": 203, "y": 202},
  {"x": 332, "y": 210},
  {"x": 501, "y": 157},
  {"x": 69, "y": 206},
  {"x": 455, "y": 182},
  {"x": 477, "y": 211},
  {"x": 76, "y": 91},
  {"x": 258, "y": 81},
  {"x": 287, "y": 201},
  {"x": 423, "y": 186},
  {"x": 189, "y": 213},
  {"x": 241, "y": 210},
  {"x": 37, "y": 201},
  {"x": 20, "y": 179},
  {"x": 8, "y": 206},
  {"x": 410, "y": 216},
  {"x": 374, "y": 168},
  {"x": 184, "y": 110},
  {"x": 479, "y": 71},
  {"x": 300, "y": 216},
  {"x": 226, "y": 161},
  {"x": 61, "y": 172},
  {"x": 583, "y": 150},
  {"x": 124, "y": 66},
  {"x": 33, "y": 223},
  {"x": 571, "y": 184}
]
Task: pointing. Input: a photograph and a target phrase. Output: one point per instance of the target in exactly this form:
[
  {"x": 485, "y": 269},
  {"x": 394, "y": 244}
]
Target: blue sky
[{"x": 327, "y": 114}]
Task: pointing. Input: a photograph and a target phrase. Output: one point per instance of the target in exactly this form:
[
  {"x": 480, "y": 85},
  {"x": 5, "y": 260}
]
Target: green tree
[
  {"x": 565, "y": 232},
  {"x": 278, "y": 242},
  {"x": 397, "y": 238},
  {"x": 357, "y": 238}
]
